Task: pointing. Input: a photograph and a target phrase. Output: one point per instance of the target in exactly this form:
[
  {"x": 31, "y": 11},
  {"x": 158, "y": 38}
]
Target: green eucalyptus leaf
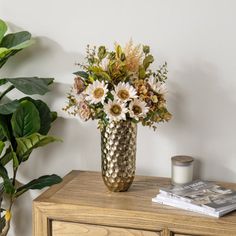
[
  {"x": 9, "y": 107},
  {"x": 3, "y": 29},
  {"x": 82, "y": 74},
  {"x": 25, "y": 120},
  {"x": 31, "y": 85},
  {"x": 118, "y": 51},
  {"x": 101, "y": 52},
  {"x": 26, "y": 145},
  {"x": 147, "y": 61},
  {"x": 142, "y": 72},
  {"x": 2, "y": 145},
  {"x": 146, "y": 49},
  {"x": 14, "y": 39},
  {"x": 40, "y": 183}
]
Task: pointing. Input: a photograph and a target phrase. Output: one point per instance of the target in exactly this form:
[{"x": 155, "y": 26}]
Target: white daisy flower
[
  {"x": 96, "y": 92},
  {"x": 158, "y": 87},
  {"x": 137, "y": 109},
  {"x": 124, "y": 92},
  {"x": 115, "y": 110}
]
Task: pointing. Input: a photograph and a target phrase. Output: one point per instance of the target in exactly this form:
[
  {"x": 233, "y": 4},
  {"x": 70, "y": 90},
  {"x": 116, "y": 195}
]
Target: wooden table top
[{"x": 86, "y": 189}]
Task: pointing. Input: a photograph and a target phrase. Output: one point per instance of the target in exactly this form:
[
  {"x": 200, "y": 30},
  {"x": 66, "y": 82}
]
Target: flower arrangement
[{"x": 119, "y": 85}]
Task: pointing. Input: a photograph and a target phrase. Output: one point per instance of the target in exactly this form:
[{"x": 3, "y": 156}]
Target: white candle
[{"x": 182, "y": 169}]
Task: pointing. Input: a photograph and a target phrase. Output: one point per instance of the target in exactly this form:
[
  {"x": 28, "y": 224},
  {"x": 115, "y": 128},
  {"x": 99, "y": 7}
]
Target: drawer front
[{"x": 60, "y": 228}]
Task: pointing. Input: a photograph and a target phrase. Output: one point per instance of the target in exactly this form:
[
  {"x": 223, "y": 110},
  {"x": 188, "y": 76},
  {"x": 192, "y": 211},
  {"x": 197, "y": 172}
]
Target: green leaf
[
  {"x": 118, "y": 51},
  {"x": 44, "y": 114},
  {"x": 2, "y": 145},
  {"x": 147, "y": 61},
  {"x": 4, "y": 52},
  {"x": 3, "y": 81},
  {"x": 2, "y": 136},
  {"x": 23, "y": 45},
  {"x": 9, "y": 107},
  {"x": 101, "y": 52},
  {"x": 8, "y": 186},
  {"x": 25, "y": 120},
  {"x": 14, "y": 39},
  {"x": 2, "y": 223},
  {"x": 4, "y": 125},
  {"x": 82, "y": 74},
  {"x": 142, "y": 72},
  {"x": 26, "y": 145},
  {"x": 31, "y": 85},
  {"x": 146, "y": 49},
  {"x": 7, "y": 157},
  {"x": 40, "y": 183},
  {"x": 3, "y": 29},
  {"x": 53, "y": 116},
  {"x": 15, "y": 160},
  {"x": 3, "y": 172}
]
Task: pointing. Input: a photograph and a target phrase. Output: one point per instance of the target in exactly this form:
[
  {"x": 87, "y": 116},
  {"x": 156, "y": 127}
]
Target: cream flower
[
  {"x": 115, "y": 110},
  {"x": 84, "y": 111},
  {"x": 105, "y": 63},
  {"x": 158, "y": 87},
  {"x": 96, "y": 92},
  {"x": 137, "y": 109},
  {"x": 124, "y": 92}
]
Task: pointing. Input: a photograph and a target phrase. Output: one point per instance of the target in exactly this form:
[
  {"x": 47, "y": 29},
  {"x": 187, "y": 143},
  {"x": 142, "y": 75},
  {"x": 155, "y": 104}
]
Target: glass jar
[{"x": 182, "y": 169}]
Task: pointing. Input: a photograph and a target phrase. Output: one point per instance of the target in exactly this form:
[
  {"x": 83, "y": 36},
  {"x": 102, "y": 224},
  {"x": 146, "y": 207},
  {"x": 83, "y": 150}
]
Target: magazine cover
[
  {"x": 190, "y": 206},
  {"x": 203, "y": 193}
]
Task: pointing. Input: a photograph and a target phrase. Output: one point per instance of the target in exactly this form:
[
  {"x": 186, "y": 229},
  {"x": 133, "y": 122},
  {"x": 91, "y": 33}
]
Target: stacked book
[{"x": 199, "y": 196}]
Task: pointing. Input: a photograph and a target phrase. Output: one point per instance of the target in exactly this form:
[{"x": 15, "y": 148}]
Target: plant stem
[
  {"x": 6, "y": 91},
  {"x": 12, "y": 199}
]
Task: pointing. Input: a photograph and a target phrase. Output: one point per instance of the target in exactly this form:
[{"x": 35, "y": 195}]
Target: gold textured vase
[{"x": 118, "y": 148}]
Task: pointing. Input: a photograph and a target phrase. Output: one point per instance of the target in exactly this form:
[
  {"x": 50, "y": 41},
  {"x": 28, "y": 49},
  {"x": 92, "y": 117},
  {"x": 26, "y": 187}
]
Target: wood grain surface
[
  {"x": 83, "y": 198},
  {"x": 74, "y": 229}
]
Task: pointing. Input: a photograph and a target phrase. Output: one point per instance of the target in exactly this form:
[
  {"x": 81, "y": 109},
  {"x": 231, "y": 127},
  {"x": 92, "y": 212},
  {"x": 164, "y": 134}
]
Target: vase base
[{"x": 119, "y": 186}]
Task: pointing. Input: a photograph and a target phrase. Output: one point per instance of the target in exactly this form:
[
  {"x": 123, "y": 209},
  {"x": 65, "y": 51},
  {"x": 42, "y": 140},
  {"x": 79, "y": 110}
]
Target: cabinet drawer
[{"x": 60, "y": 228}]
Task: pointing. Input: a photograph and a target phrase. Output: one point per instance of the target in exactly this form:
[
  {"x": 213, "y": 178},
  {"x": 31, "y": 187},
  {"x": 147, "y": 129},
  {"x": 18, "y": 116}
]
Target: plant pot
[{"x": 118, "y": 149}]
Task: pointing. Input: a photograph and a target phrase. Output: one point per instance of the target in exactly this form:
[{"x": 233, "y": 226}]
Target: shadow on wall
[
  {"x": 44, "y": 58},
  {"x": 80, "y": 146},
  {"x": 203, "y": 124}
]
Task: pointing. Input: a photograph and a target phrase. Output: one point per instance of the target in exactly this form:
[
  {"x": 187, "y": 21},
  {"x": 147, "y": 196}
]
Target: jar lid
[{"x": 182, "y": 160}]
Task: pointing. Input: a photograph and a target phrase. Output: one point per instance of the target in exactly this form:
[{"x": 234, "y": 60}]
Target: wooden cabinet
[
  {"x": 82, "y": 206},
  {"x": 74, "y": 229}
]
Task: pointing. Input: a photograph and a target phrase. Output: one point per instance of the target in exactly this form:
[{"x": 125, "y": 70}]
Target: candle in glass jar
[{"x": 182, "y": 169}]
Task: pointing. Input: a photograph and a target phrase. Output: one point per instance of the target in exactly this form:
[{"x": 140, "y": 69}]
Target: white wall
[{"x": 197, "y": 39}]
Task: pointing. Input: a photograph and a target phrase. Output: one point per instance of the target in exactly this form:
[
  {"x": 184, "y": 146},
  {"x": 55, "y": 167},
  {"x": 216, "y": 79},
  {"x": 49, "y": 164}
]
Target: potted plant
[
  {"x": 24, "y": 125},
  {"x": 118, "y": 88}
]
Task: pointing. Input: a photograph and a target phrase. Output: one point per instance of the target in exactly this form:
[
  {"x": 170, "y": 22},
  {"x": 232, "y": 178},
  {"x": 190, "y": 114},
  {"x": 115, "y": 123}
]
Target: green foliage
[
  {"x": 24, "y": 123},
  {"x": 3, "y": 29},
  {"x": 31, "y": 85},
  {"x": 115, "y": 72},
  {"x": 25, "y": 120},
  {"x": 26, "y": 145},
  {"x": 41, "y": 182},
  {"x": 9, "y": 107}
]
